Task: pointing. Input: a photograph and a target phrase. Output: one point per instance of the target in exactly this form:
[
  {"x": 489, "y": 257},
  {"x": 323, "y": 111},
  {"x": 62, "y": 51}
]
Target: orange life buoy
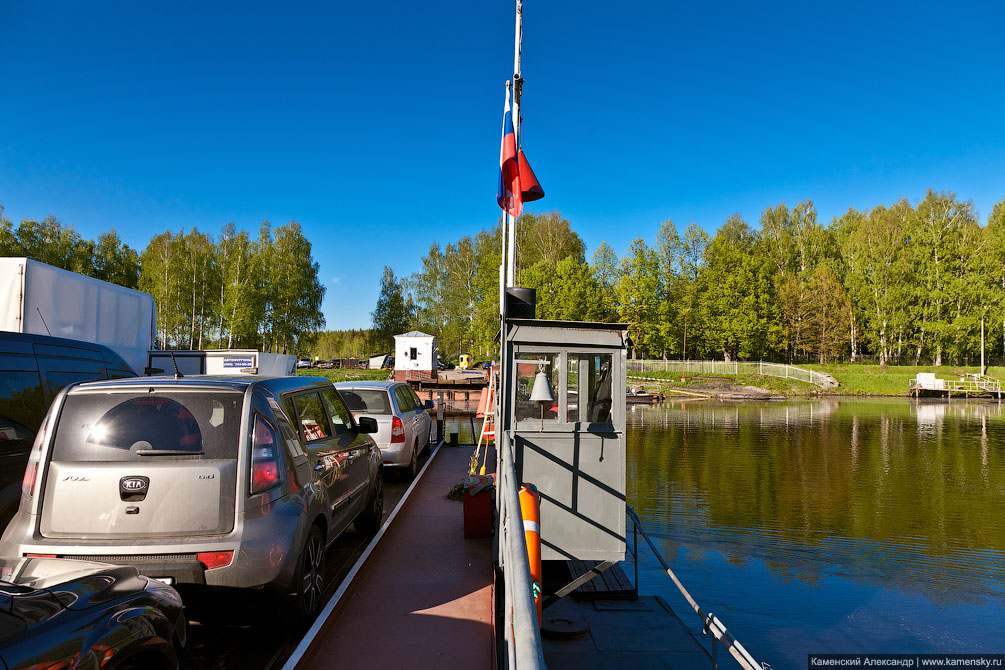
[{"x": 530, "y": 510}]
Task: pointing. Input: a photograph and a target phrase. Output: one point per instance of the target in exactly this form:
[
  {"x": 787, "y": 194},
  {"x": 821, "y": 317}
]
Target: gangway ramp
[{"x": 421, "y": 597}]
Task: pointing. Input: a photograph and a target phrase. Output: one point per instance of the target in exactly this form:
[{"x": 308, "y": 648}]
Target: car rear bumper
[
  {"x": 395, "y": 455},
  {"x": 264, "y": 555}
]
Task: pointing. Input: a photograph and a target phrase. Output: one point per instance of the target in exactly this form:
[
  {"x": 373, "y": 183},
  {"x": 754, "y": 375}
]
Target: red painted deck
[{"x": 424, "y": 598}]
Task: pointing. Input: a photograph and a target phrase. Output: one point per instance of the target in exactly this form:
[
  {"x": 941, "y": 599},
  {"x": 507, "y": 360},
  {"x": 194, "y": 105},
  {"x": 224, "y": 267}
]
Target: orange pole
[{"x": 530, "y": 510}]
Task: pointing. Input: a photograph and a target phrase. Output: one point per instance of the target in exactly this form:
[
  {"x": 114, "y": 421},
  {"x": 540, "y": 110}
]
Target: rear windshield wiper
[{"x": 167, "y": 452}]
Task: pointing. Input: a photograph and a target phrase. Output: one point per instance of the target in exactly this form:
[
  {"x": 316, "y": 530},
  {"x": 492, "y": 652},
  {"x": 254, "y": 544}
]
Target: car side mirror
[
  {"x": 428, "y": 404},
  {"x": 367, "y": 424}
]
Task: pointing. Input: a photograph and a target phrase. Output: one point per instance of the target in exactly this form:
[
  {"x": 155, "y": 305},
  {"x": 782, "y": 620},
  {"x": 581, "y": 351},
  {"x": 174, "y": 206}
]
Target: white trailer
[{"x": 41, "y": 299}]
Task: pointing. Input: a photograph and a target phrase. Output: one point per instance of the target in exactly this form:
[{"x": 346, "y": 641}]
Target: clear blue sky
[{"x": 376, "y": 124}]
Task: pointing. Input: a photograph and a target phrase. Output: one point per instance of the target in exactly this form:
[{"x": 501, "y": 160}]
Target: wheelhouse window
[
  {"x": 528, "y": 367},
  {"x": 588, "y": 395}
]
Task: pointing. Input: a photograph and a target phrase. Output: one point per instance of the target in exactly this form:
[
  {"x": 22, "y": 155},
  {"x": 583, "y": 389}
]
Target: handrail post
[
  {"x": 715, "y": 647},
  {"x": 635, "y": 551}
]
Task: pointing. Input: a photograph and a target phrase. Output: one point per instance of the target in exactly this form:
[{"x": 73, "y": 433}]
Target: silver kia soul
[{"x": 222, "y": 481}]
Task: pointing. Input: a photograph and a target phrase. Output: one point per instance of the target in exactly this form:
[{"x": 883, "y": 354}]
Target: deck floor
[
  {"x": 638, "y": 634},
  {"x": 425, "y": 599}
]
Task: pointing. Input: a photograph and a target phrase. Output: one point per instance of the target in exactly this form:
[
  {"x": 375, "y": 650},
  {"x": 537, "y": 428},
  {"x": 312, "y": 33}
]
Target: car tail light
[
  {"x": 215, "y": 559},
  {"x": 264, "y": 460},
  {"x": 264, "y": 475},
  {"x": 31, "y": 470},
  {"x": 40, "y": 555},
  {"x": 30, "y": 473},
  {"x": 397, "y": 431}
]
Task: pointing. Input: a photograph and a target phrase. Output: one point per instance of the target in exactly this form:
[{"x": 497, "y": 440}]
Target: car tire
[
  {"x": 369, "y": 520},
  {"x": 309, "y": 582},
  {"x": 413, "y": 464}
]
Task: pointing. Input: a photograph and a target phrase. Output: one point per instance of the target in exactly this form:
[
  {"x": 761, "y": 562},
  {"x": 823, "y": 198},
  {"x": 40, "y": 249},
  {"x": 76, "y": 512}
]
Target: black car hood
[{"x": 74, "y": 584}]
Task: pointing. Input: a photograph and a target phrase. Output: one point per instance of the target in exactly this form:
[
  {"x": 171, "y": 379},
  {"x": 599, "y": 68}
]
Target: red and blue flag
[{"x": 509, "y": 194}]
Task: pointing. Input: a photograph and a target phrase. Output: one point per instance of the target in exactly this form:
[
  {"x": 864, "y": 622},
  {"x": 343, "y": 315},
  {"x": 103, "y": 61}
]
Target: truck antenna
[{"x": 177, "y": 373}]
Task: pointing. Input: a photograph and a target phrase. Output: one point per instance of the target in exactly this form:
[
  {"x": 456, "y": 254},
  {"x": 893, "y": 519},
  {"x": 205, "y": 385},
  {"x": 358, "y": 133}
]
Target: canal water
[{"x": 828, "y": 526}]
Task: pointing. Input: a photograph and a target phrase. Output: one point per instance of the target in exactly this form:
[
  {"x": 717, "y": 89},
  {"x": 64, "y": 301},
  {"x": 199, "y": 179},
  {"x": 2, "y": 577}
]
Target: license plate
[{"x": 164, "y": 580}]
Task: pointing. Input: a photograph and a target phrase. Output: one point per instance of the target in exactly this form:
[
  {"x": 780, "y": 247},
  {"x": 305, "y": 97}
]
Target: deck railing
[
  {"x": 732, "y": 368},
  {"x": 521, "y": 633},
  {"x": 971, "y": 383},
  {"x": 711, "y": 623}
]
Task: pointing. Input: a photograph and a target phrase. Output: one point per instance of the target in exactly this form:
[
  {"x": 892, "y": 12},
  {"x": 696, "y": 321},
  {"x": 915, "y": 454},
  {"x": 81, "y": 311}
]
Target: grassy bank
[
  {"x": 345, "y": 374},
  {"x": 852, "y": 378},
  {"x": 699, "y": 382},
  {"x": 857, "y": 379}
]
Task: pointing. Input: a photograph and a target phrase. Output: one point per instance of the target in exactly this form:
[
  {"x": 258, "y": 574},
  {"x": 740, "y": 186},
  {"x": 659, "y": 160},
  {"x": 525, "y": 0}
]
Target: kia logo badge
[
  {"x": 133, "y": 488},
  {"x": 133, "y": 484}
]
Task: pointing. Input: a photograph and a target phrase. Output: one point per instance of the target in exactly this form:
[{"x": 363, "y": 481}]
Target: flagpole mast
[
  {"x": 504, "y": 281},
  {"x": 517, "y": 81}
]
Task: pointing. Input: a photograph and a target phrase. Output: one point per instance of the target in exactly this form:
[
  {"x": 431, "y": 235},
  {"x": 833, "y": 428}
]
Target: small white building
[{"x": 416, "y": 356}]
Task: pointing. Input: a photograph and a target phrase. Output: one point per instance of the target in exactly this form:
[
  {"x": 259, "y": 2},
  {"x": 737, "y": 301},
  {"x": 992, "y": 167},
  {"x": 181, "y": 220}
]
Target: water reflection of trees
[{"x": 877, "y": 489}]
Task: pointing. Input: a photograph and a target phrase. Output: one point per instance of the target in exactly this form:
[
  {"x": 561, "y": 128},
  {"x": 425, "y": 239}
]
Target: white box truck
[{"x": 41, "y": 299}]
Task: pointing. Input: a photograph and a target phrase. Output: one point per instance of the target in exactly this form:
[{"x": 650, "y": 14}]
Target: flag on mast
[
  {"x": 531, "y": 189},
  {"x": 509, "y": 194}
]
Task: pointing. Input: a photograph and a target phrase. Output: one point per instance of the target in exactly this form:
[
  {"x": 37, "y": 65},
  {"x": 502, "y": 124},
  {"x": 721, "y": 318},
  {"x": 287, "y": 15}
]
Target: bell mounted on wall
[
  {"x": 541, "y": 393},
  {"x": 542, "y": 389}
]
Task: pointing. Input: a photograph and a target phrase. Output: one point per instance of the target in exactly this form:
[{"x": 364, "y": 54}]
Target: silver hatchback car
[
  {"x": 218, "y": 481},
  {"x": 403, "y": 424}
]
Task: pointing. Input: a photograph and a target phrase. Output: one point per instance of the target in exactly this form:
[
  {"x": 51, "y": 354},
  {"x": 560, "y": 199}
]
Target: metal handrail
[
  {"x": 976, "y": 383},
  {"x": 710, "y": 622},
  {"x": 521, "y": 632},
  {"x": 732, "y": 368}
]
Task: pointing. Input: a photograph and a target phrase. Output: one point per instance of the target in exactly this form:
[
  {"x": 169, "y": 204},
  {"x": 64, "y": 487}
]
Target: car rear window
[
  {"x": 170, "y": 424},
  {"x": 371, "y": 401}
]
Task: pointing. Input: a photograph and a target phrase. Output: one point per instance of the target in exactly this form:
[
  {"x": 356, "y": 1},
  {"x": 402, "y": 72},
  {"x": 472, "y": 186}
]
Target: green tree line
[
  {"x": 228, "y": 290},
  {"x": 900, "y": 283}
]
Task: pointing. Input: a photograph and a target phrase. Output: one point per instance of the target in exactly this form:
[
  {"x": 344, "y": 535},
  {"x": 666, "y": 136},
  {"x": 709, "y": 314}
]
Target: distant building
[
  {"x": 376, "y": 361},
  {"x": 416, "y": 356}
]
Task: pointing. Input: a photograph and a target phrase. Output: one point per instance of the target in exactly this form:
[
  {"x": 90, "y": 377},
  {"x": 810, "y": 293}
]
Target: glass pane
[
  {"x": 598, "y": 381},
  {"x": 407, "y": 402},
  {"x": 574, "y": 392},
  {"x": 370, "y": 401},
  {"x": 57, "y": 380},
  {"x": 263, "y": 437},
  {"x": 336, "y": 408},
  {"x": 526, "y": 378},
  {"x": 21, "y": 406},
  {"x": 117, "y": 427},
  {"x": 312, "y": 417}
]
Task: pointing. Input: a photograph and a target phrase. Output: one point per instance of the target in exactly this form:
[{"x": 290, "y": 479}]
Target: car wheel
[
  {"x": 413, "y": 464},
  {"x": 310, "y": 579},
  {"x": 368, "y": 521}
]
